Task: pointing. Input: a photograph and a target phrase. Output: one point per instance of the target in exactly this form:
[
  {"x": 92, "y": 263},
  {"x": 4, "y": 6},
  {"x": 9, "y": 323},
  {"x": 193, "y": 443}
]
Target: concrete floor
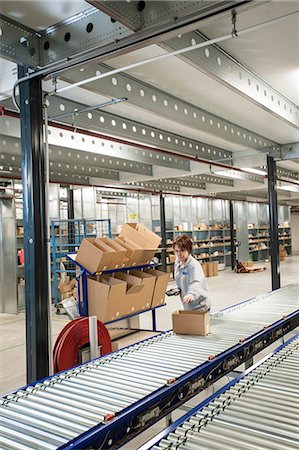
[{"x": 227, "y": 288}]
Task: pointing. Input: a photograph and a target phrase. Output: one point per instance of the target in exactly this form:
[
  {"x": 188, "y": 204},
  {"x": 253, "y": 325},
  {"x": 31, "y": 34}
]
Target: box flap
[
  {"x": 141, "y": 235},
  {"x": 134, "y": 289}
]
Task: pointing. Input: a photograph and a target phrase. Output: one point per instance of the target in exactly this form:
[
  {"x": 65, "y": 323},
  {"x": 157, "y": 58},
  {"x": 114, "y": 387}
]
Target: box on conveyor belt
[
  {"x": 137, "y": 255},
  {"x": 196, "y": 322},
  {"x": 141, "y": 235},
  {"x": 160, "y": 288},
  {"x": 110, "y": 298}
]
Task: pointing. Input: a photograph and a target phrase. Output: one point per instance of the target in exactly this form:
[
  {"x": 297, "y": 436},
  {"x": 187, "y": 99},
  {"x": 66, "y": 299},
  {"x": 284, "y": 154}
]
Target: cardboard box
[
  {"x": 210, "y": 269},
  {"x": 205, "y": 268},
  {"x": 141, "y": 235},
  {"x": 137, "y": 256},
  {"x": 119, "y": 255},
  {"x": 110, "y": 298},
  {"x": 160, "y": 288},
  {"x": 65, "y": 285},
  {"x": 215, "y": 268},
  {"x": 149, "y": 280},
  {"x": 142, "y": 299},
  {"x": 94, "y": 255},
  {"x": 191, "y": 322}
]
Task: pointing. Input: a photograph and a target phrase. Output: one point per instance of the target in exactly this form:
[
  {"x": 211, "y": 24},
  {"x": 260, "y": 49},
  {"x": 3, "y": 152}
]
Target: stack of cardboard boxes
[
  {"x": 210, "y": 269},
  {"x": 115, "y": 295},
  {"x": 282, "y": 253}
]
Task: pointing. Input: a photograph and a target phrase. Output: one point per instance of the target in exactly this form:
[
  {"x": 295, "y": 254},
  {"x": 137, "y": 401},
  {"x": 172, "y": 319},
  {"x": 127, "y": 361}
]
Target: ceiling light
[{"x": 255, "y": 171}]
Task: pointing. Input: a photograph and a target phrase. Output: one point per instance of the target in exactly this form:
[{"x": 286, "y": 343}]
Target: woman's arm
[{"x": 197, "y": 288}]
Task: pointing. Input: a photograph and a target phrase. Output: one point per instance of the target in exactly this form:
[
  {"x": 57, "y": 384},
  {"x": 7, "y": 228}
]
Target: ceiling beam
[
  {"x": 161, "y": 103},
  {"x": 10, "y": 127},
  {"x": 92, "y": 34},
  {"x": 218, "y": 64},
  {"x": 18, "y": 42},
  {"x": 155, "y": 185},
  {"x": 210, "y": 179}
]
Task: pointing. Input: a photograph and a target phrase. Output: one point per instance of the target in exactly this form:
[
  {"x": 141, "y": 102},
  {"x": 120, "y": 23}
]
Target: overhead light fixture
[{"x": 255, "y": 171}]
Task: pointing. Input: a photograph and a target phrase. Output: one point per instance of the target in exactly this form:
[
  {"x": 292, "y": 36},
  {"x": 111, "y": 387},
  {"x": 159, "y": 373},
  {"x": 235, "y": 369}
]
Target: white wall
[{"x": 295, "y": 232}]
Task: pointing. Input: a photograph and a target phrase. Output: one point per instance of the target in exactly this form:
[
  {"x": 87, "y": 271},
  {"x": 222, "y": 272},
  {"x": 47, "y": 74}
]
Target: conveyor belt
[
  {"x": 259, "y": 410},
  {"x": 141, "y": 383}
]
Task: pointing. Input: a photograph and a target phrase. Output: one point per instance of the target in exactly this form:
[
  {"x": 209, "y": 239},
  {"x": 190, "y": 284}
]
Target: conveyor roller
[
  {"x": 113, "y": 398},
  {"x": 259, "y": 410}
]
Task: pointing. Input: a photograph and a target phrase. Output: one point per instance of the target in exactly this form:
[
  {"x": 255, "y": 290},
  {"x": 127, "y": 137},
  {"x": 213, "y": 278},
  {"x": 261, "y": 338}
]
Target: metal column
[
  {"x": 35, "y": 228},
  {"x": 232, "y": 237},
  {"x": 163, "y": 231},
  {"x": 273, "y": 219},
  {"x": 71, "y": 224}
]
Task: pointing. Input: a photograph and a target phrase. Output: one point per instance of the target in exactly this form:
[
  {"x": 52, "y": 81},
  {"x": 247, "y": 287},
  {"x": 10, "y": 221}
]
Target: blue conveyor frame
[
  {"x": 171, "y": 428},
  {"x": 136, "y": 418}
]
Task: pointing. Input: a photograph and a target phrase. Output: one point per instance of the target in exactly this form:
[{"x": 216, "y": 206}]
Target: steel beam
[
  {"x": 94, "y": 163},
  {"x": 216, "y": 63},
  {"x": 181, "y": 182},
  {"x": 163, "y": 231},
  {"x": 154, "y": 185},
  {"x": 286, "y": 173},
  {"x": 105, "y": 122},
  {"x": 273, "y": 223},
  {"x": 35, "y": 229},
  {"x": 92, "y": 34},
  {"x": 18, "y": 42},
  {"x": 290, "y": 151},
  {"x": 138, "y": 15},
  {"x": 241, "y": 176},
  {"x": 210, "y": 179},
  {"x": 163, "y": 104}
]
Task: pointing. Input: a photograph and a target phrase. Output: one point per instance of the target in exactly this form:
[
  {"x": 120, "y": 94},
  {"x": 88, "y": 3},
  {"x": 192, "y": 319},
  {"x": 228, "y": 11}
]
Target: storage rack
[
  {"x": 83, "y": 294},
  {"x": 108, "y": 401},
  {"x": 66, "y": 237},
  {"x": 239, "y": 412}
]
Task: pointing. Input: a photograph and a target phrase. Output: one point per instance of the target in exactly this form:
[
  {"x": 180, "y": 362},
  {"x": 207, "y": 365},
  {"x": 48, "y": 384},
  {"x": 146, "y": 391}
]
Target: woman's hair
[{"x": 183, "y": 242}]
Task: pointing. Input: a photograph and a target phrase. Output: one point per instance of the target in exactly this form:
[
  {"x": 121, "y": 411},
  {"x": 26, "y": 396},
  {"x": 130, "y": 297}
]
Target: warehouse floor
[{"x": 225, "y": 289}]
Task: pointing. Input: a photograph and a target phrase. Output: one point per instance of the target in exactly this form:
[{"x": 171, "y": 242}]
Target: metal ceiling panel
[
  {"x": 161, "y": 103},
  {"x": 215, "y": 62}
]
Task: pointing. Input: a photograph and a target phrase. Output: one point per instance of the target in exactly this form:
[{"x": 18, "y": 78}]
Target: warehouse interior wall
[{"x": 295, "y": 232}]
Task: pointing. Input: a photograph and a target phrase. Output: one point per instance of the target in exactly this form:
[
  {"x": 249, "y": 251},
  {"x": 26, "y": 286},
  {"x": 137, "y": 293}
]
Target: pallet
[{"x": 250, "y": 269}]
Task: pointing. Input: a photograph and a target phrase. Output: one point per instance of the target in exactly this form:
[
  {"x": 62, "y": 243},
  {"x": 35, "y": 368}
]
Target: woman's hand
[{"x": 188, "y": 298}]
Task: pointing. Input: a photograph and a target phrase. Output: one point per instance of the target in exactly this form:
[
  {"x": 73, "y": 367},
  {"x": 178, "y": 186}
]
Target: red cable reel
[{"x": 72, "y": 338}]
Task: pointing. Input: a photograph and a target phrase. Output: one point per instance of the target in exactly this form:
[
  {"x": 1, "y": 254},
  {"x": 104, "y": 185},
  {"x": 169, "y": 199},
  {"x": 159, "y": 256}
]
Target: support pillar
[
  {"x": 163, "y": 232},
  {"x": 232, "y": 235},
  {"x": 35, "y": 228},
  {"x": 273, "y": 223}
]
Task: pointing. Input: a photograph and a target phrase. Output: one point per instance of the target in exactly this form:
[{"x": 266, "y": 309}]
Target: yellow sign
[{"x": 133, "y": 216}]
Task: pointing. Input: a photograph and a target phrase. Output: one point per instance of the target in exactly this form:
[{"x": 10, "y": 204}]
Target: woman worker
[{"x": 189, "y": 276}]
